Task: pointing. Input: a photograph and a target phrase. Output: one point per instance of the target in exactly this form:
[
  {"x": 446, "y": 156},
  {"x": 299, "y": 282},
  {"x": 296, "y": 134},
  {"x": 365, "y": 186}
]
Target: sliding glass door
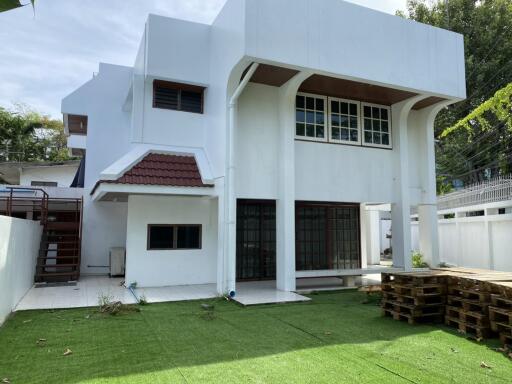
[
  {"x": 256, "y": 240},
  {"x": 327, "y": 236}
]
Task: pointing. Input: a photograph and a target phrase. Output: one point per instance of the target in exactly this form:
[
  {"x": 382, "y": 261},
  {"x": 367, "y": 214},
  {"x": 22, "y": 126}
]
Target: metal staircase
[{"x": 60, "y": 248}]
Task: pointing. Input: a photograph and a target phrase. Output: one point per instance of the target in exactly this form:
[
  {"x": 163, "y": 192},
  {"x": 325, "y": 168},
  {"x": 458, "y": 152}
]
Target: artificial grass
[{"x": 332, "y": 339}]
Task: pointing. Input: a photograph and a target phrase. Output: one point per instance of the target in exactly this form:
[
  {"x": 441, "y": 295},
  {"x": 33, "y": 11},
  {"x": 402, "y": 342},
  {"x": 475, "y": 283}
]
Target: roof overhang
[
  {"x": 123, "y": 164},
  {"x": 120, "y": 192}
]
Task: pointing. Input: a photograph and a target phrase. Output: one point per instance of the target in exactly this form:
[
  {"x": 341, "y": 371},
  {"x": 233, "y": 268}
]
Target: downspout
[{"x": 230, "y": 199}]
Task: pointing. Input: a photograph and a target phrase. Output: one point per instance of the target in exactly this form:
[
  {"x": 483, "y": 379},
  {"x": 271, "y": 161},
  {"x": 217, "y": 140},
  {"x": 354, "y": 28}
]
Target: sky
[{"x": 44, "y": 57}]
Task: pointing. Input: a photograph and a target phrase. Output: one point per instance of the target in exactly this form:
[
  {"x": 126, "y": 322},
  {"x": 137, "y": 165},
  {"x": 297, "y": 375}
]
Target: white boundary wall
[
  {"x": 477, "y": 241},
  {"x": 19, "y": 245}
]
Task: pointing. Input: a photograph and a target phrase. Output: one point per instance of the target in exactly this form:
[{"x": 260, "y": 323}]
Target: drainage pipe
[{"x": 230, "y": 199}]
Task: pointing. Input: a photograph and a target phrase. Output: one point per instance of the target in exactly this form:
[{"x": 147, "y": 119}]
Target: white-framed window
[
  {"x": 310, "y": 117},
  {"x": 344, "y": 121},
  {"x": 376, "y": 125}
]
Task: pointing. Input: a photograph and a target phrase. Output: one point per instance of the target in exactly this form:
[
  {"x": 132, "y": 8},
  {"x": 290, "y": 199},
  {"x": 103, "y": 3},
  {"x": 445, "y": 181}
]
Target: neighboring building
[
  {"x": 249, "y": 148},
  {"x": 40, "y": 174}
]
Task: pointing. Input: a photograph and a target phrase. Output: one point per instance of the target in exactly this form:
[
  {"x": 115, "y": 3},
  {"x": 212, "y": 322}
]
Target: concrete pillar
[
  {"x": 365, "y": 232},
  {"x": 427, "y": 208},
  {"x": 373, "y": 237},
  {"x": 428, "y": 233},
  {"x": 401, "y": 207},
  {"x": 285, "y": 205}
]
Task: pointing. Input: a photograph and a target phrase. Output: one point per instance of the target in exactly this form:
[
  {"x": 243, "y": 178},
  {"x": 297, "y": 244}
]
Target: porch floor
[
  {"x": 177, "y": 293},
  {"x": 85, "y": 293},
  {"x": 264, "y": 292}
]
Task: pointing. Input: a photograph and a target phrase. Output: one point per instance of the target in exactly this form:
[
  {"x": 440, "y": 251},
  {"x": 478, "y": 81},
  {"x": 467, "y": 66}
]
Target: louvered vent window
[{"x": 179, "y": 97}]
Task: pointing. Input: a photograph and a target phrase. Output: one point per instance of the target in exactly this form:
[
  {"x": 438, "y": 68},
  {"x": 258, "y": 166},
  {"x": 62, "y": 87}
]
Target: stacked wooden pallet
[
  {"x": 467, "y": 307},
  {"x": 477, "y": 302},
  {"x": 413, "y": 297},
  {"x": 500, "y": 312}
]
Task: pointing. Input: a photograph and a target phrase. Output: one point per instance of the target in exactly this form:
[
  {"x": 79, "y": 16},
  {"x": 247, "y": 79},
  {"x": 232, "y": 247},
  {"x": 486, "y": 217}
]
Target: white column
[
  {"x": 221, "y": 266},
  {"x": 285, "y": 205},
  {"x": 373, "y": 237},
  {"x": 401, "y": 207},
  {"x": 428, "y": 233},
  {"x": 365, "y": 230},
  {"x": 427, "y": 209}
]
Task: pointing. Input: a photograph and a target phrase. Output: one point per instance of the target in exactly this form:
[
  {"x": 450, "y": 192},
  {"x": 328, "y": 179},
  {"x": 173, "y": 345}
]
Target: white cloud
[{"x": 44, "y": 58}]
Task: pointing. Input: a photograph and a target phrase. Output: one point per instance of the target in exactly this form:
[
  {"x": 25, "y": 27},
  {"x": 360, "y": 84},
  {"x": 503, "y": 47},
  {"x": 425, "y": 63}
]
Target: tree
[
  {"x": 487, "y": 29},
  {"x": 7, "y": 5},
  {"x": 479, "y": 146},
  {"x": 470, "y": 148},
  {"x": 26, "y": 135}
]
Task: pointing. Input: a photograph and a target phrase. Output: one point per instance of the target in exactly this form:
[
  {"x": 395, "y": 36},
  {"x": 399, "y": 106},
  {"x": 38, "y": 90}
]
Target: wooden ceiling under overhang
[{"x": 334, "y": 87}]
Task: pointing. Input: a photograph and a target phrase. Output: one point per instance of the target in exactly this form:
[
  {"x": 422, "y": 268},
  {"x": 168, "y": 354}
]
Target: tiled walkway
[
  {"x": 177, "y": 293},
  {"x": 86, "y": 293},
  {"x": 264, "y": 292}
]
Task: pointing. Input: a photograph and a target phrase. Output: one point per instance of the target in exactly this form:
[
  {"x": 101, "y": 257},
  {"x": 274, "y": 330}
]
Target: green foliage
[
  {"x": 417, "y": 260},
  {"x": 487, "y": 28},
  {"x": 478, "y": 146},
  {"x": 443, "y": 186},
  {"x": 7, "y": 5},
  {"x": 26, "y": 135}
]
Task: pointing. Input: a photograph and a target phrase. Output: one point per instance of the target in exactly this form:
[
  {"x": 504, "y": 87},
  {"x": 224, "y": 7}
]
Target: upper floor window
[
  {"x": 376, "y": 125},
  {"x": 177, "y": 96},
  {"x": 321, "y": 118},
  {"x": 344, "y": 121},
  {"x": 310, "y": 117}
]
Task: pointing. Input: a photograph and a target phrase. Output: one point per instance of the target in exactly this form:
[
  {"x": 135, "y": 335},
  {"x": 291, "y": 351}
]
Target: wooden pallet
[
  {"x": 474, "y": 294},
  {"x": 414, "y": 278},
  {"x": 428, "y": 318},
  {"x": 501, "y": 302},
  {"x": 468, "y": 329},
  {"x": 413, "y": 310},
  {"x": 506, "y": 340},
  {"x": 470, "y": 305},
  {"x": 469, "y": 317},
  {"x": 415, "y": 300},
  {"x": 503, "y": 328},
  {"x": 415, "y": 291},
  {"x": 499, "y": 315}
]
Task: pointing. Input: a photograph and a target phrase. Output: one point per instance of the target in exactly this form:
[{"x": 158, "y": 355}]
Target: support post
[
  {"x": 401, "y": 207},
  {"x": 285, "y": 205},
  {"x": 427, "y": 208}
]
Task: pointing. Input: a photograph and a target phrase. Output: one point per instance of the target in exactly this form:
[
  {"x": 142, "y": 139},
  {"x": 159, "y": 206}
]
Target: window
[
  {"x": 344, "y": 121},
  {"x": 310, "y": 116},
  {"x": 35, "y": 183},
  {"x": 176, "y": 96},
  {"x": 376, "y": 125},
  {"x": 174, "y": 236},
  {"x": 322, "y": 118}
]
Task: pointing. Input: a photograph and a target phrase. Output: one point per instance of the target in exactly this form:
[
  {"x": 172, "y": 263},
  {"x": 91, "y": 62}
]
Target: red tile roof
[{"x": 158, "y": 169}]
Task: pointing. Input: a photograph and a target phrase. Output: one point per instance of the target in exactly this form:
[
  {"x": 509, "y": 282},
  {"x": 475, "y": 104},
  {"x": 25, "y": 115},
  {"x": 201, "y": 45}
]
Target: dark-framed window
[
  {"x": 35, "y": 183},
  {"x": 174, "y": 236},
  {"x": 178, "y": 96}
]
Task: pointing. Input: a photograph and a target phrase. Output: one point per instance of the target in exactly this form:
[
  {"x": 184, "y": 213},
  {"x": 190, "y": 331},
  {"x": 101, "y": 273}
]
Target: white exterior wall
[
  {"x": 170, "y": 267},
  {"x": 108, "y": 138},
  {"x": 410, "y": 55},
  {"x": 61, "y": 174},
  {"x": 298, "y": 34},
  {"x": 19, "y": 246},
  {"x": 257, "y": 143},
  {"x": 474, "y": 242}
]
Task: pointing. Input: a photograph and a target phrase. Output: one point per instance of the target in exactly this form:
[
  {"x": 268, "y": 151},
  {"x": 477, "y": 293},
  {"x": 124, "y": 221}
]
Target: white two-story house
[{"x": 249, "y": 148}]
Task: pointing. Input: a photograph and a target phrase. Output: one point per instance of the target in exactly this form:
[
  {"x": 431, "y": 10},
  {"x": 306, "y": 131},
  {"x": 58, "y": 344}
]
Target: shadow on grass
[{"x": 180, "y": 337}]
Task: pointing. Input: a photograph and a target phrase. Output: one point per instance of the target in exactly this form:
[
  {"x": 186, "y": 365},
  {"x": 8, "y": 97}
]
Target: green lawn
[{"x": 332, "y": 339}]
